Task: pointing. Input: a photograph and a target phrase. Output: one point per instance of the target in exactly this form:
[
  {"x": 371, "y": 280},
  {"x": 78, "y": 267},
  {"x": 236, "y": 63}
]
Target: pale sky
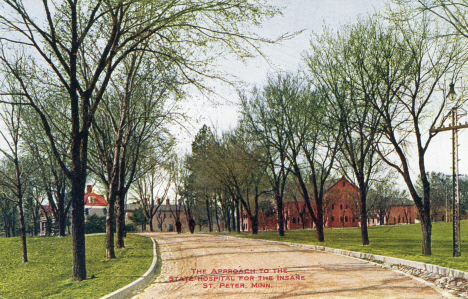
[
  {"x": 310, "y": 16},
  {"x": 297, "y": 15}
]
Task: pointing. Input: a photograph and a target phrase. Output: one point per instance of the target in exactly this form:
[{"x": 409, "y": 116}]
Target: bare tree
[
  {"x": 152, "y": 190},
  {"x": 310, "y": 139},
  {"x": 268, "y": 130},
  {"x": 79, "y": 47},
  {"x": 16, "y": 167},
  {"x": 335, "y": 63},
  {"x": 406, "y": 100}
]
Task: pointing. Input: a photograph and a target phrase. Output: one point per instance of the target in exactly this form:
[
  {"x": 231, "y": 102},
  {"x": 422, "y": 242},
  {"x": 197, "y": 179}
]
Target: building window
[
  {"x": 332, "y": 218},
  {"x": 333, "y": 206},
  {"x": 105, "y": 211},
  {"x": 346, "y": 206},
  {"x": 299, "y": 220},
  {"x": 341, "y": 207},
  {"x": 87, "y": 211},
  {"x": 346, "y": 218},
  {"x": 294, "y": 220},
  {"x": 343, "y": 183},
  {"x": 341, "y": 218}
]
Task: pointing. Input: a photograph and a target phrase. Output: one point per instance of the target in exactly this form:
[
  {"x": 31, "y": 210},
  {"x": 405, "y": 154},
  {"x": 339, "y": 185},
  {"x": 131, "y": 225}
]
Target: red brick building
[{"x": 341, "y": 209}]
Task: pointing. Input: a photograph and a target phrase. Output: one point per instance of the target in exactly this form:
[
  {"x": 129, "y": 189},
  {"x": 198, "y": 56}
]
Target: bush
[
  {"x": 95, "y": 224},
  {"x": 130, "y": 227}
]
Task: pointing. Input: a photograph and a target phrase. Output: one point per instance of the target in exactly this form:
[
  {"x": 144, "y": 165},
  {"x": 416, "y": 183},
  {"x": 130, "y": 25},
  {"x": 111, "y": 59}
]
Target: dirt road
[{"x": 206, "y": 266}]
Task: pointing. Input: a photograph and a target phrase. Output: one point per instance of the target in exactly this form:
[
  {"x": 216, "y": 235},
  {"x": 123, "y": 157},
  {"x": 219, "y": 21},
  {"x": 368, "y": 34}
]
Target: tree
[
  {"x": 238, "y": 165},
  {"x": 138, "y": 218},
  {"x": 382, "y": 196},
  {"x": 49, "y": 177},
  {"x": 410, "y": 63},
  {"x": 310, "y": 139},
  {"x": 336, "y": 65},
  {"x": 397, "y": 73},
  {"x": 131, "y": 124},
  {"x": 77, "y": 47},
  {"x": 441, "y": 191},
  {"x": 267, "y": 129},
  {"x": 95, "y": 224},
  {"x": 202, "y": 175},
  {"x": 152, "y": 190},
  {"x": 16, "y": 167},
  {"x": 8, "y": 215},
  {"x": 33, "y": 205}
]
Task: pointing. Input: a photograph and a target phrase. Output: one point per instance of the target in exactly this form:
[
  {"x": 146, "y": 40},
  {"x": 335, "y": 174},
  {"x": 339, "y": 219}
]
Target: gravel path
[{"x": 207, "y": 266}]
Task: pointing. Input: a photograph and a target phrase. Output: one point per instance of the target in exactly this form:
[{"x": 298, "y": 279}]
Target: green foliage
[
  {"x": 95, "y": 224},
  {"x": 47, "y": 274},
  {"x": 138, "y": 217},
  {"x": 130, "y": 227},
  {"x": 400, "y": 241}
]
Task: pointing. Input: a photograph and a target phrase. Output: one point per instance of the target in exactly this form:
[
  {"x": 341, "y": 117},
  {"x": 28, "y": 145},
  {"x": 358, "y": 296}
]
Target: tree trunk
[
  {"x": 35, "y": 230},
  {"x": 61, "y": 224},
  {"x": 62, "y": 217},
  {"x": 364, "y": 233},
  {"x": 233, "y": 217},
  {"x": 210, "y": 227},
  {"x": 238, "y": 216},
  {"x": 23, "y": 232},
  {"x": 228, "y": 219},
  {"x": 192, "y": 225},
  {"x": 279, "y": 205},
  {"x": 120, "y": 243},
  {"x": 381, "y": 217},
  {"x": 48, "y": 226},
  {"x": 110, "y": 253},
  {"x": 426, "y": 233},
  {"x": 217, "y": 218},
  {"x": 178, "y": 226},
  {"x": 6, "y": 228},
  {"x": 151, "y": 224},
  {"x": 78, "y": 232},
  {"x": 254, "y": 220},
  {"x": 13, "y": 226},
  {"x": 263, "y": 217},
  {"x": 320, "y": 233}
]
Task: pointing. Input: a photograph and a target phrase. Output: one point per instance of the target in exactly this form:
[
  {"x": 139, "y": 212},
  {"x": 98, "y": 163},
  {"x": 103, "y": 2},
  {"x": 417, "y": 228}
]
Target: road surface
[{"x": 208, "y": 266}]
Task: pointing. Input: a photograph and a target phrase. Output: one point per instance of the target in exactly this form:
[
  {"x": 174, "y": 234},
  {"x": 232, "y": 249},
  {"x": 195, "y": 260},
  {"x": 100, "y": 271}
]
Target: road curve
[{"x": 208, "y": 266}]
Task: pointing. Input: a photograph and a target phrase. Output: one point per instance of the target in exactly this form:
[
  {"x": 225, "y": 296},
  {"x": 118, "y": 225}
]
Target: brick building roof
[{"x": 93, "y": 199}]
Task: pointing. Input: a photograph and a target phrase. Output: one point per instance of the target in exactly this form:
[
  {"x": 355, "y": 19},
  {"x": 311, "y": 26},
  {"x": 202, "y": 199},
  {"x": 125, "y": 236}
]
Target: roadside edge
[
  {"x": 142, "y": 282},
  {"x": 386, "y": 262}
]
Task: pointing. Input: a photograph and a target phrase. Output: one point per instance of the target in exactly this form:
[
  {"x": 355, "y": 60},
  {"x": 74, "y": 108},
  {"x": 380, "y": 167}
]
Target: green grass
[
  {"x": 48, "y": 272},
  {"x": 401, "y": 241}
]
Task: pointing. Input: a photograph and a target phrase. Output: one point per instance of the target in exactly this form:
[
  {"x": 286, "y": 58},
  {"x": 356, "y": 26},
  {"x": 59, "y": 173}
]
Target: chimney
[
  {"x": 159, "y": 201},
  {"x": 89, "y": 188},
  {"x": 167, "y": 201}
]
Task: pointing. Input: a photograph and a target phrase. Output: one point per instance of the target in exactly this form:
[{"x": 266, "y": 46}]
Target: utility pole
[{"x": 454, "y": 127}]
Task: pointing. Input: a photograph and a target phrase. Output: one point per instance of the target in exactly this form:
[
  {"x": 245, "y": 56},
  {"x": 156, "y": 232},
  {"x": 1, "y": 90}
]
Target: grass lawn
[
  {"x": 401, "y": 241},
  {"x": 48, "y": 272}
]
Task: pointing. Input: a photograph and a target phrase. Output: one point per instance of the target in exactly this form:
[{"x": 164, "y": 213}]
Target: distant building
[
  {"x": 340, "y": 209},
  {"x": 164, "y": 219},
  {"x": 43, "y": 219},
  {"x": 95, "y": 204}
]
